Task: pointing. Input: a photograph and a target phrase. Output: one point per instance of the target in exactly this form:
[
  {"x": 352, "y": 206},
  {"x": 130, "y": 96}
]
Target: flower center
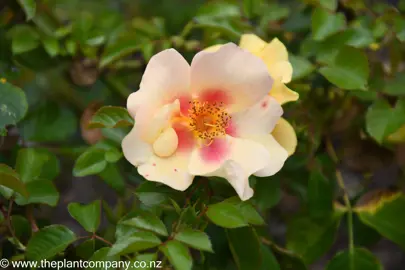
[{"x": 208, "y": 120}]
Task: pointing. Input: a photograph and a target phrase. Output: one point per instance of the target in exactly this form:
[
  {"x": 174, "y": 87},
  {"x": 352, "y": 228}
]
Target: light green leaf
[
  {"x": 13, "y": 104},
  {"x": 311, "y": 238},
  {"x": 382, "y": 120},
  {"x": 245, "y": 247},
  {"x": 101, "y": 255},
  {"x": 11, "y": 180},
  {"x": 349, "y": 69},
  {"x": 87, "y": 215},
  {"x": 119, "y": 49},
  {"x": 51, "y": 45},
  {"x": 193, "y": 238},
  {"x": 247, "y": 210},
  {"x": 301, "y": 67},
  {"x": 400, "y": 28},
  {"x": 320, "y": 195},
  {"x": 39, "y": 191},
  {"x": 361, "y": 37},
  {"x": 90, "y": 162},
  {"x": 379, "y": 210},
  {"x": 329, "y": 4},
  {"x": 24, "y": 38},
  {"x": 360, "y": 259},
  {"x": 148, "y": 259},
  {"x": 178, "y": 255},
  {"x": 136, "y": 242},
  {"x": 111, "y": 117},
  {"x": 48, "y": 242},
  {"x": 218, "y": 10},
  {"x": 325, "y": 24},
  {"x": 226, "y": 215},
  {"x": 147, "y": 221},
  {"x": 29, "y": 7}
]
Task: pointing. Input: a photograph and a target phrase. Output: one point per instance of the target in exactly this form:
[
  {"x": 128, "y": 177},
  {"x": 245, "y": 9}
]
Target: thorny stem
[
  {"x": 7, "y": 216},
  {"x": 339, "y": 178}
]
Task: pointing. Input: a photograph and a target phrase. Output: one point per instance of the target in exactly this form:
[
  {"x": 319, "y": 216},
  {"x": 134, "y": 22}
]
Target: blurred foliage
[{"x": 67, "y": 67}]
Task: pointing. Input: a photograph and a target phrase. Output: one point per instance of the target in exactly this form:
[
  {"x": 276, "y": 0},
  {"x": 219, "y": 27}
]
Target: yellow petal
[
  {"x": 281, "y": 71},
  {"x": 252, "y": 43},
  {"x": 166, "y": 144},
  {"x": 282, "y": 93},
  {"x": 285, "y": 135},
  {"x": 213, "y": 48},
  {"x": 274, "y": 52}
]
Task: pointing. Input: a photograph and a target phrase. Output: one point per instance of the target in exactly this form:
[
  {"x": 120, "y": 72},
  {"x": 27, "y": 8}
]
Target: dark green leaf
[
  {"x": 147, "y": 261},
  {"x": 10, "y": 179},
  {"x": 136, "y": 242},
  {"x": 267, "y": 192},
  {"x": 87, "y": 215},
  {"x": 48, "y": 242},
  {"x": 245, "y": 248},
  {"x": 320, "y": 195},
  {"x": 359, "y": 259},
  {"x": 301, "y": 67},
  {"x": 380, "y": 211},
  {"x": 395, "y": 86},
  {"x": 329, "y": 4},
  {"x": 382, "y": 120},
  {"x": 113, "y": 177},
  {"x": 349, "y": 70},
  {"x": 29, "y": 164},
  {"x": 226, "y": 215},
  {"x": 325, "y": 24},
  {"x": 82, "y": 27},
  {"x": 29, "y": 7},
  {"x": 147, "y": 221},
  {"x": 13, "y": 104},
  {"x": 195, "y": 239},
  {"x": 111, "y": 117},
  {"x": 247, "y": 210},
  {"x": 400, "y": 28},
  {"x": 90, "y": 162},
  {"x": 40, "y": 191},
  {"x": 178, "y": 255},
  {"x": 269, "y": 261},
  {"x": 311, "y": 239},
  {"x": 101, "y": 255},
  {"x": 119, "y": 49},
  {"x": 288, "y": 260}
]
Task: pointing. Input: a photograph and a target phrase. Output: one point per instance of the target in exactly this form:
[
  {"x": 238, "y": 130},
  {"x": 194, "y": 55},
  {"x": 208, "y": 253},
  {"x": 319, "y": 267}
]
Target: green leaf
[
  {"x": 287, "y": 259},
  {"x": 178, "y": 255},
  {"x": 395, "y": 86},
  {"x": 51, "y": 45},
  {"x": 29, "y": 7},
  {"x": 13, "y": 104},
  {"x": 147, "y": 221},
  {"x": 82, "y": 26},
  {"x": 48, "y": 242},
  {"x": 382, "y": 120},
  {"x": 10, "y": 179},
  {"x": 245, "y": 248},
  {"x": 24, "y": 38},
  {"x": 250, "y": 7},
  {"x": 226, "y": 215},
  {"x": 149, "y": 260},
  {"x": 379, "y": 210},
  {"x": 49, "y": 123},
  {"x": 90, "y": 162},
  {"x": 86, "y": 249},
  {"x": 136, "y": 242},
  {"x": 193, "y": 238},
  {"x": 102, "y": 255},
  {"x": 329, "y": 4},
  {"x": 87, "y": 215},
  {"x": 325, "y": 24},
  {"x": 29, "y": 164},
  {"x": 269, "y": 261},
  {"x": 151, "y": 195},
  {"x": 267, "y": 192},
  {"x": 301, "y": 67},
  {"x": 247, "y": 210},
  {"x": 399, "y": 25},
  {"x": 111, "y": 117},
  {"x": 218, "y": 10},
  {"x": 119, "y": 49},
  {"x": 113, "y": 177},
  {"x": 311, "y": 238},
  {"x": 359, "y": 259},
  {"x": 320, "y": 195},
  {"x": 40, "y": 191},
  {"x": 349, "y": 69},
  {"x": 361, "y": 37}
]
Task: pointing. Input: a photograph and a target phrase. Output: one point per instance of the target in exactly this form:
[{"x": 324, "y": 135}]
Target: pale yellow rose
[
  {"x": 213, "y": 118},
  {"x": 275, "y": 56}
]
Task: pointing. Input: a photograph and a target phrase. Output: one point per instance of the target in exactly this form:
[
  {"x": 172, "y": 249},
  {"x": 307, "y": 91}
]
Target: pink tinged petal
[
  {"x": 216, "y": 152},
  {"x": 258, "y": 119},
  {"x": 171, "y": 171},
  {"x": 242, "y": 76},
  {"x": 278, "y": 154},
  {"x": 215, "y": 95},
  {"x": 151, "y": 127},
  {"x": 186, "y": 139},
  {"x": 135, "y": 150}
]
